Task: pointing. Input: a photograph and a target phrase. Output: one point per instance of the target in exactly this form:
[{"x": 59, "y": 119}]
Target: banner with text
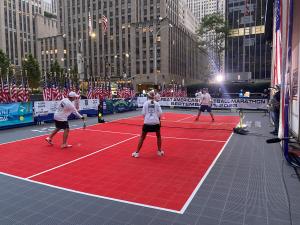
[
  {"x": 218, "y": 103},
  {"x": 15, "y": 113},
  {"x": 43, "y": 108}
]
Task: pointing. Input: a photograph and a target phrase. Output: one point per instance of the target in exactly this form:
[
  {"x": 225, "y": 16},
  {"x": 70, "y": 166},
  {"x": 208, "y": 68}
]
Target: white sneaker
[
  {"x": 49, "y": 141},
  {"x": 66, "y": 146},
  {"x": 160, "y": 153},
  {"x": 135, "y": 154}
]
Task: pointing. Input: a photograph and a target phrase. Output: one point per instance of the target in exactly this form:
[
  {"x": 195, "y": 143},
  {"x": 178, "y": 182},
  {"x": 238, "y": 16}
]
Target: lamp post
[{"x": 155, "y": 49}]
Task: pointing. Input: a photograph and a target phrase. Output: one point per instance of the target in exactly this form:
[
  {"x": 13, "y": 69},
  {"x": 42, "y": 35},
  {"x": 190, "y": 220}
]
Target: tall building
[
  {"x": 124, "y": 44},
  {"x": 200, "y": 8},
  {"x": 54, "y": 5},
  {"x": 247, "y": 53},
  {"x": 50, "y": 43},
  {"x": 18, "y": 28}
]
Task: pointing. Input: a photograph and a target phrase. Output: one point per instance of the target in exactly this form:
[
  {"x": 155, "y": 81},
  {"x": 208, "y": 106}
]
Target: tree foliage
[
  {"x": 55, "y": 68},
  {"x": 212, "y": 33},
  {"x": 4, "y": 63},
  {"x": 31, "y": 69}
]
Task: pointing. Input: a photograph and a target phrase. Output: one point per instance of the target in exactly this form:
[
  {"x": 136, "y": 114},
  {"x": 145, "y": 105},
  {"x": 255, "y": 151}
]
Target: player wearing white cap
[
  {"x": 151, "y": 112},
  {"x": 64, "y": 110}
]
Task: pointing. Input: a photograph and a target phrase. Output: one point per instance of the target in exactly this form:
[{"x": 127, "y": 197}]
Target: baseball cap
[
  {"x": 72, "y": 94},
  {"x": 151, "y": 94}
]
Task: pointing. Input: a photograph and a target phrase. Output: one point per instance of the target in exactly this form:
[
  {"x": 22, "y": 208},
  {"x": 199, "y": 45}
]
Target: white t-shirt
[
  {"x": 206, "y": 99},
  {"x": 151, "y": 112},
  {"x": 65, "y": 109},
  {"x": 198, "y": 94}
]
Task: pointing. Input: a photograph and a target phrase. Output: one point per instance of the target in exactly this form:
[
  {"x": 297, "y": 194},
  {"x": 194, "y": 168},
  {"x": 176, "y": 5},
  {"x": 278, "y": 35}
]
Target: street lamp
[
  {"x": 155, "y": 50},
  {"x": 93, "y": 35}
]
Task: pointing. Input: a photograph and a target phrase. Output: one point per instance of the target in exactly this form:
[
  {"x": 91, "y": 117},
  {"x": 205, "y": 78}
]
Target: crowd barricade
[
  {"x": 218, "y": 103},
  {"x": 29, "y": 113}
]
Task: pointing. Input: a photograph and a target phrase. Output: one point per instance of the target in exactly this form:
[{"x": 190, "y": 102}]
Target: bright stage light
[{"x": 220, "y": 78}]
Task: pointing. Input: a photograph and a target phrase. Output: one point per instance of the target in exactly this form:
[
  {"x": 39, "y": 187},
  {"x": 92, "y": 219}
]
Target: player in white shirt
[
  {"x": 157, "y": 96},
  {"x": 151, "y": 112},
  {"x": 205, "y": 102},
  {"x": 198, "y": 94},
  {"x": 64, "y": 110}
]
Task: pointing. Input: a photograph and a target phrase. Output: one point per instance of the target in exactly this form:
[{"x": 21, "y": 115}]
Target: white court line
[
  {"x": 91, "y": 195},
  {"x": 24, "y": 139},
  {"x": 185, "y": 118},
  {"x": 203, "y": 178},
  {"x": 166, "y": 137},
  {"x": 75, "y": 160}
]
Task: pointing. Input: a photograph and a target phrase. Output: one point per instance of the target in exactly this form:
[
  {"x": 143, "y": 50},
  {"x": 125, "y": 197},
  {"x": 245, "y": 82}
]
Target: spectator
[{"x": 275, "y": 109}]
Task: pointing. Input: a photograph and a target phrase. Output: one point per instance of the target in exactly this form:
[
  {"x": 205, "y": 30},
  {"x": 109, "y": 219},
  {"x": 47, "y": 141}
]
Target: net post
[{"x": 241, "y": 114}]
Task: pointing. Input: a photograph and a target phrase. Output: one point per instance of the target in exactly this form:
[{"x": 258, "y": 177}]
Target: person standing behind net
[
  {"x": 205, "y": 102},
  {"x": 156, "y": 96},
  {"x": 151, "y": 112},
  {"x": 198, "y": 94},
  {"x": 64, "y": 110}
]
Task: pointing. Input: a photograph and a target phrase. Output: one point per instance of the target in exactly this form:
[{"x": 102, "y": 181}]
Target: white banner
[
  {"x": 48, "y": 107},
  {"x": 141, "y": 100},
  {"x": 86, "y": 104},
  {"x": 221, "y": 103},
  {"x": 43, "y": 108}
]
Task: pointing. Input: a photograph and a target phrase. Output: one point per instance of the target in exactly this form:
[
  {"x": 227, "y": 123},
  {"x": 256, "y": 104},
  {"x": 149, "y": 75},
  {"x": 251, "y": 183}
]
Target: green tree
[
  {"x": 74, "y": 75},
  {"x": 4, "y": 63},
  {"x": 31, "y": 68},
  {"x": 55, "y": 68},
  {"x": 212, "y": 33}
]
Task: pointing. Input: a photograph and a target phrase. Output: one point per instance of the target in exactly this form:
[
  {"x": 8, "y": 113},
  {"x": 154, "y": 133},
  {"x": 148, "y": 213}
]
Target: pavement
[{"x": 250, "y": 184}]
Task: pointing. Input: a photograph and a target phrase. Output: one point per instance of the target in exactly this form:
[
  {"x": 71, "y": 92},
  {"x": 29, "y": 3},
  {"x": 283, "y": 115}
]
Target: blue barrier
[
  {"x": 16, "y": 114},
  {"x": 21, "y": 114}
]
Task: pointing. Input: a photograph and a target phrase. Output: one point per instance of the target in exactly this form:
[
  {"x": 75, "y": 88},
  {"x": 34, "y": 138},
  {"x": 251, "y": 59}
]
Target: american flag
[
  {"x": 66, "y": 89},
  {"x": 26, "y": 92},
  {"x": 6, "y": 94},
  {"x": 90, "y": 93},
  {"x": 1, "y": 92},
  {"x": 21, "y": 93},
  {"x": 45, "y": 91},
  {"x": 278, "y": 55},
  {"x": 14, "y": 92},
  {"x": 104, "y": 22}
]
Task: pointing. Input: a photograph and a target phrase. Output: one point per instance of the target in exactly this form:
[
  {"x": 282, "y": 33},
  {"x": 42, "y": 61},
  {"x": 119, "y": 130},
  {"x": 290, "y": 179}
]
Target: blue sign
[
  {"x": 119, "y": 105},
  {"x": 16, "y": 113}
]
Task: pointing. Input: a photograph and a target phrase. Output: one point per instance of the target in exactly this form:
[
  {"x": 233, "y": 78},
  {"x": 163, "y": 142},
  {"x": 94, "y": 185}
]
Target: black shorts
[
  {"x": 151, "y": 128},
  {"x": 61, "y": 124},
  {"x": 205, "y": 107}
]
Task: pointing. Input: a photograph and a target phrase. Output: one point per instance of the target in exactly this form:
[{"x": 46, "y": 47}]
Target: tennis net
[{"x": 227, "y": 126}]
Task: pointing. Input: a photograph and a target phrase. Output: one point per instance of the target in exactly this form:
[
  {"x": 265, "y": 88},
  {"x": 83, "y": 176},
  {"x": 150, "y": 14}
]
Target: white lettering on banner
[
  {"x": 49, "y": 107},
  {"x": 222, "y": 103},
  {"x": 3, "y": 118}
]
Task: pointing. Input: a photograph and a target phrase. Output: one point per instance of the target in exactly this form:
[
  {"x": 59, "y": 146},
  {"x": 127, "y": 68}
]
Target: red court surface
[{"x": 100, "y": 162}]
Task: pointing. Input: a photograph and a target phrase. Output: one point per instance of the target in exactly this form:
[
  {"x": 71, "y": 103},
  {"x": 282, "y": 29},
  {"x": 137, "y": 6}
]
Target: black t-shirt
[{"x": 276, "y": 97}]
